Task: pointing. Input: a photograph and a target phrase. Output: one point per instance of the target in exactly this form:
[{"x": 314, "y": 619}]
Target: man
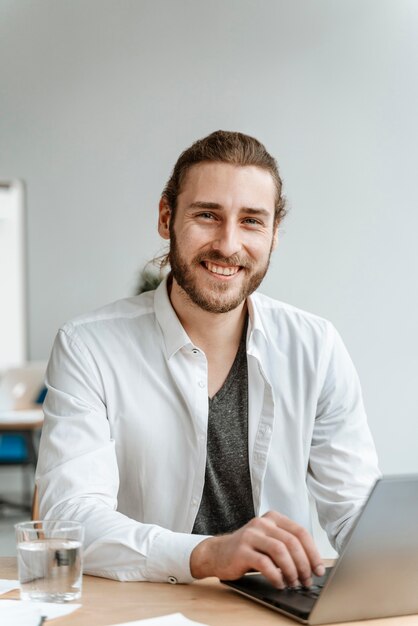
[{"x": 185, "y": 426}]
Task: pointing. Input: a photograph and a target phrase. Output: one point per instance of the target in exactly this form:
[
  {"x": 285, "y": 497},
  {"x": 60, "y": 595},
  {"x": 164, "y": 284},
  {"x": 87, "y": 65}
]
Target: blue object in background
[
  {"x": 13, "y": 449},
  {"x": 41, "y": 396}
]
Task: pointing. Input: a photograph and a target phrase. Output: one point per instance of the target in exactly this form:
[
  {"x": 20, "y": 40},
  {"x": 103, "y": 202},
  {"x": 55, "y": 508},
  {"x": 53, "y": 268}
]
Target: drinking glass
[{"x": 49, "y": 557}]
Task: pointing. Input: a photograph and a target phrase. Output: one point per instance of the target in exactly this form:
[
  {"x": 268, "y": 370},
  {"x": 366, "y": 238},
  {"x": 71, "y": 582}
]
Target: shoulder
[
  {"x": 302, "y": 337},
  {"x": 120, "y": 313},
  {"x": 276, "y": 314}
]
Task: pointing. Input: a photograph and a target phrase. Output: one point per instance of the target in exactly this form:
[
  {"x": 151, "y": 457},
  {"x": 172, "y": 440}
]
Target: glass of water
[{"x": 49, "y": 558}]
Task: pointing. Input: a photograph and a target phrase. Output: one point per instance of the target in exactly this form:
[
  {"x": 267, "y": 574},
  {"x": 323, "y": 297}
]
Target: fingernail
[
  {"x": 319, "y": 570},
  {"x": 307, "y": 582},
  {"x": 293, "y": 584}
]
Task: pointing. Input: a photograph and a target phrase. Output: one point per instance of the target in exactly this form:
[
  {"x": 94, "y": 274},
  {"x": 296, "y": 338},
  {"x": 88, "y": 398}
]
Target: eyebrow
[{"x": 219, "y": 207}]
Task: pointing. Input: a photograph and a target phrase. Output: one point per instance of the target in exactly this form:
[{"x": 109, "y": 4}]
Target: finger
[
  {"x": 297, "y": 554},
  {"x": 279, "y": 554},
  {"x": 263, "y": 564},
  {"x": 293, "y": 544},
  {"x": 304, "y": 537},
  {"x": 310, "y": 549}
]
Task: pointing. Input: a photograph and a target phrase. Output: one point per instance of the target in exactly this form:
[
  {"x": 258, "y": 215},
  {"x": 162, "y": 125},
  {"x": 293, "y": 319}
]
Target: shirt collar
[
  {"x": 257, "y": 325},
  {"x": 175, "y": 337}
]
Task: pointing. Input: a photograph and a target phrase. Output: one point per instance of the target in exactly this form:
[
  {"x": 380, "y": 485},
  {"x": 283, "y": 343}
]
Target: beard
[{"x": 220, "y": 298}]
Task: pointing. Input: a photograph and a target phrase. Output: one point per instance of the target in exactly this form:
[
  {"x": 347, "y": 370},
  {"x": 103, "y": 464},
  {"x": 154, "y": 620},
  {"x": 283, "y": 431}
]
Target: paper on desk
[
  {"x": 49, "y": 610},
  {"x": 175, "y": 619},
  {"x": 16, "y": 613},
  {"x": 7, "y": 585}
]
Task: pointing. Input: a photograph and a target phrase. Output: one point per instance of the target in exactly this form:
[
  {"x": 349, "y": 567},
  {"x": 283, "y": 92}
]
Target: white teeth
[{"x": 218, "y": 269}]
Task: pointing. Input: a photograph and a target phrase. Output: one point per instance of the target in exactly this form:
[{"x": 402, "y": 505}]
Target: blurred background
[{"x": 99, "y": 97}]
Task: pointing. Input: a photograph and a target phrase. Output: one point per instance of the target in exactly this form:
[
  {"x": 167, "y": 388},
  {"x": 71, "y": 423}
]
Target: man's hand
[{"x": 280, "y": 549}]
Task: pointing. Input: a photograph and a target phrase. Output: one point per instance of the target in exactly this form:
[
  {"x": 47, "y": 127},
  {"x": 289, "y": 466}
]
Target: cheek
[
  {"x": 195, "y": 237},
  {"x": 259, "y": 249}
]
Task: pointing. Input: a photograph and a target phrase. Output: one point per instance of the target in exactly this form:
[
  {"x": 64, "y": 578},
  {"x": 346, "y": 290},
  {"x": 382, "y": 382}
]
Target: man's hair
[{"x": 224, "y": 146}]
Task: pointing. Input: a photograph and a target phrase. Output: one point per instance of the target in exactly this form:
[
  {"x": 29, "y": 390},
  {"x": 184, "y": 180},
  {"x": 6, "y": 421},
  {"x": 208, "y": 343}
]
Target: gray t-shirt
[{"x": 227, "y": 502}]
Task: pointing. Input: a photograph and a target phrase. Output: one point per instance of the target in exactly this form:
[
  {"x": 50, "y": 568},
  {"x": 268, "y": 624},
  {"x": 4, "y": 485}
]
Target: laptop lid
[
  {"x": 20, "y": 386},
  {"x": 377, "y": 573}
]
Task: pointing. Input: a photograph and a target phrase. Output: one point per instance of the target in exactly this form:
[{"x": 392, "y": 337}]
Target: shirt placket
[
  {"x": 264, "y": 421},
  {"x": 194, "y": 386},
  {"x": 201, "y": 412}
]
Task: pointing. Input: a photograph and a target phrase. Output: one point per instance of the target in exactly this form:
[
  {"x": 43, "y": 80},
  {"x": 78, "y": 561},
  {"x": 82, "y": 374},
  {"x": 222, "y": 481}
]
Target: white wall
[
  {"x": 13, "y": 322},
  {"x": 99, "y": 97}
]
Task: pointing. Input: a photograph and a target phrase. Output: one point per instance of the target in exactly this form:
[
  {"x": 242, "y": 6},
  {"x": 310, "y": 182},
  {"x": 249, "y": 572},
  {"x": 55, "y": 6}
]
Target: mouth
[{"x": 223, "y": 271}]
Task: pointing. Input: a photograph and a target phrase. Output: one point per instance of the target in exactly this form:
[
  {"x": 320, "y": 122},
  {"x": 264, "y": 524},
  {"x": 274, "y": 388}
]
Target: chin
[{"x": 217, "y": 305}]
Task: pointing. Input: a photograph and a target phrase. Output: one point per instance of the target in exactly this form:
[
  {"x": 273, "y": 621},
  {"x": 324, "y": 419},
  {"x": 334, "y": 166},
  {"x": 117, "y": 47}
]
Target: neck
[{"x": 208, "y": 331}]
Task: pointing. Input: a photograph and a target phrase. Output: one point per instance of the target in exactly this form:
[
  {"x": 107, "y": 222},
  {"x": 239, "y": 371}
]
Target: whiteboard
[{"x": 13, "y": 339}]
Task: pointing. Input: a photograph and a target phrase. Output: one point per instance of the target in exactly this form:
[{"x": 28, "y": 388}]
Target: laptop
[
  {"x": 376, "y": 574},
  {"x": 21, "y": 387}
]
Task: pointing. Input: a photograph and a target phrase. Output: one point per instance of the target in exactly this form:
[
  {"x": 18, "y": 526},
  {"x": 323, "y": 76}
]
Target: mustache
[{"x": 214, "y": 256}]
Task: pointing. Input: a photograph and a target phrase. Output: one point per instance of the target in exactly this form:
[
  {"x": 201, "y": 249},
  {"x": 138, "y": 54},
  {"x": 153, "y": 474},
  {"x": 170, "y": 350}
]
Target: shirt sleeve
[
  {"x": 343, "y": 462},
  {"x": 78, "y": 479}
]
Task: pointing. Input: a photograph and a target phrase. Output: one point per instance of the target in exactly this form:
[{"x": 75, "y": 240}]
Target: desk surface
[
  {"x": 107, "y": 602},
  {"x": 28, "y": 419}
]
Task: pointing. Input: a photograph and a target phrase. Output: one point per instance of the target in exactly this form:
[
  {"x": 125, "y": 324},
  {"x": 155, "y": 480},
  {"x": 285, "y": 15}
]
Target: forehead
[{"x": 228, "y": 185}]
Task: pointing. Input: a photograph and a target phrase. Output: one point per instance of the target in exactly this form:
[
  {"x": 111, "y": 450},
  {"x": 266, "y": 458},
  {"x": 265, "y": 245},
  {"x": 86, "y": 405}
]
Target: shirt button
[
  {"x": 195, "y": 502},
  {"x": 201, "y": 384},
  {"x": 172, "y": 579}
]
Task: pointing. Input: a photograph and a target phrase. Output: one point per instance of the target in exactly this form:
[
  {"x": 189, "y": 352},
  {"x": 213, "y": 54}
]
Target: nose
[{"x": 228, "y": 241}]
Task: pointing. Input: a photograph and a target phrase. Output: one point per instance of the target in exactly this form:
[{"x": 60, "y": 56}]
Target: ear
[
  {"x": 164, "y": 217},
  {"x": 275, "y": 237}
]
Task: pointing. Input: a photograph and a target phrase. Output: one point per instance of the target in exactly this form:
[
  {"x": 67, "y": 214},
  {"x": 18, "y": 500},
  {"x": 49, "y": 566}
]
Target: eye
[
  {"x": 206, "y": 215},
  {"x": 252, "y": 221}
]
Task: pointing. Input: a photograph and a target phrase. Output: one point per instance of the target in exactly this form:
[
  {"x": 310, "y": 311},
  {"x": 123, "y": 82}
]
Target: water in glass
[{"x": 50, "y": 569}]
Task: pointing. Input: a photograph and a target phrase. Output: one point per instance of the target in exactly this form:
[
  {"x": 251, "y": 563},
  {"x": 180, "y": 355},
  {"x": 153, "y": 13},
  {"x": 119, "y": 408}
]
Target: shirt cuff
[{"x": 169, "y": 557}]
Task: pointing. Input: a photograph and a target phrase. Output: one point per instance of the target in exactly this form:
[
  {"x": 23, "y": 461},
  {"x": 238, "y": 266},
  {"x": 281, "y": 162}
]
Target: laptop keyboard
[
  {"x": 308, "y": 592},
  {"x": 297, "y": 601}
]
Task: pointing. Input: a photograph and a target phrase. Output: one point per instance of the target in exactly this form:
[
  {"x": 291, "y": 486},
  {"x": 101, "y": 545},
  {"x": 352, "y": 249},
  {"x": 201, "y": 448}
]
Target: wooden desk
[{"x": 107, "y": 602}]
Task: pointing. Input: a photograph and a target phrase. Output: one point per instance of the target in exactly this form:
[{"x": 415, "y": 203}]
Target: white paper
[
  {"x": 7, "y": 585},
  {"x": 175, "y": 619},
  {"x": 49, "y": 610},
  {"x": 16, "y": 613}
]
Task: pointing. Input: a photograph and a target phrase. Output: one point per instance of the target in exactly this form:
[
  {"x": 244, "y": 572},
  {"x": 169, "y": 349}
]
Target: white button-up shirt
[{"x": 123, "y": 446}]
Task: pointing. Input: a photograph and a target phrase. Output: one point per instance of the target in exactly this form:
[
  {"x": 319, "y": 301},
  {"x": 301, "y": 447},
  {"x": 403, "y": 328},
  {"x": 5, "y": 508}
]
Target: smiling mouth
[{"x": 221, "y": 270}]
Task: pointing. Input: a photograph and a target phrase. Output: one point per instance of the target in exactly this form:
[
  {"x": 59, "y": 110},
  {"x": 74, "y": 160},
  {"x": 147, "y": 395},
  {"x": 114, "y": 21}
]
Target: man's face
[{"x": 222, "y": 235}]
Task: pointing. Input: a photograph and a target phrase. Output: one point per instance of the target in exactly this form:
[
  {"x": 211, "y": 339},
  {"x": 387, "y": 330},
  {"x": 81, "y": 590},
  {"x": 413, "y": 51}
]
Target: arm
[
  {"x": 78, "y": 478},
  {"x": 343, "y": 462}
]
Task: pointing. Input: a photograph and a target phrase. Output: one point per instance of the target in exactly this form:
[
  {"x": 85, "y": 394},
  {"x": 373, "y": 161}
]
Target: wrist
[{"x": 201, "y": 559}]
